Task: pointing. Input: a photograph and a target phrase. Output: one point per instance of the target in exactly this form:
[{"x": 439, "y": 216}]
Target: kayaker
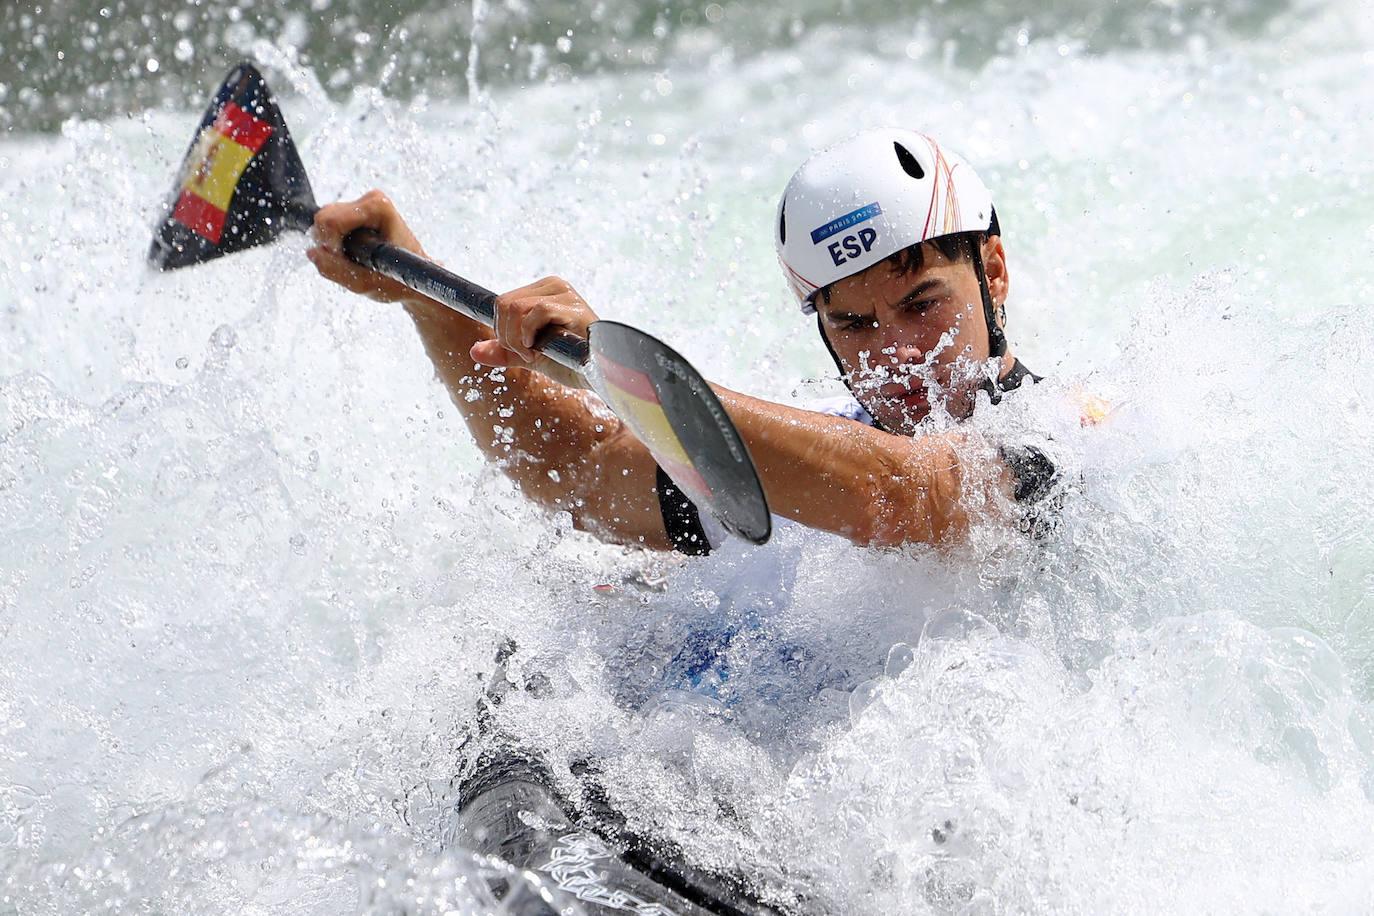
[{"x": 892, "y": 242}]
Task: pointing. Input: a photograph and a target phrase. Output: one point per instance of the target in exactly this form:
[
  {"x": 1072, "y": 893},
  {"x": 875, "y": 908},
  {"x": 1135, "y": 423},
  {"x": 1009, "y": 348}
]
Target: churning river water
[{"x": 254, "y": 574}]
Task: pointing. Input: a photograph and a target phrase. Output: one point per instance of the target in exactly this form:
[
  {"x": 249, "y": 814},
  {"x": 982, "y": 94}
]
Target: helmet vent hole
[
  {"x": 782, "y": 223},
  {"x": 908, "y": 162}
]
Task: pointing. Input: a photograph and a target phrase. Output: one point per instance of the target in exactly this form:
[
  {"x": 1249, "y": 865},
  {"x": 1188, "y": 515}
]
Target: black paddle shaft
[{"x": 366, "y": 247}]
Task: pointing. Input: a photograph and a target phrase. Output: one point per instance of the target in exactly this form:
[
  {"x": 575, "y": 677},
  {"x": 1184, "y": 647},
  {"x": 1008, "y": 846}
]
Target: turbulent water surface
[{"x": 254, "y": 574}]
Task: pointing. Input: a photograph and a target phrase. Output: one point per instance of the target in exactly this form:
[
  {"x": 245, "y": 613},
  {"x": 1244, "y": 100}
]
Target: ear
[{"x": 995, "y": 264}]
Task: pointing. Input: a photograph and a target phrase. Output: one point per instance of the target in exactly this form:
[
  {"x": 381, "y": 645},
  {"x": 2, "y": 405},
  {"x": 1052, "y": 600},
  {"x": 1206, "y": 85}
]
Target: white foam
[{"x": 254, "y": 575}]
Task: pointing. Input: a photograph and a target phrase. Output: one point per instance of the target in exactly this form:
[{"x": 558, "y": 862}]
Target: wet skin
[
  {"x": 907, "y": 341},
  {"x": 824, "y": 472}
]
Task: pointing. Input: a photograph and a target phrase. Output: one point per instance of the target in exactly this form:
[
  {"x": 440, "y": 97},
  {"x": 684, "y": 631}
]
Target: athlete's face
[{"x": 908, "y": 341}]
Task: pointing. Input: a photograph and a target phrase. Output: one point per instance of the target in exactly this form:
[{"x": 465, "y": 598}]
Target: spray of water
[{"x": 254, "y": 578}]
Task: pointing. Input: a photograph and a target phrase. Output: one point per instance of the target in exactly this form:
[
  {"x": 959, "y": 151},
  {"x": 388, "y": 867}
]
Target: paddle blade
[
  {"x": 672, "y": 410},
  {"x": 242, "y": 182}
]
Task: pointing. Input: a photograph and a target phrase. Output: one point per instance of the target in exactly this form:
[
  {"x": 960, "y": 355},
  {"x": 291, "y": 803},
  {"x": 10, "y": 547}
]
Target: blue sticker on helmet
[{"x": 841, "y": 223}]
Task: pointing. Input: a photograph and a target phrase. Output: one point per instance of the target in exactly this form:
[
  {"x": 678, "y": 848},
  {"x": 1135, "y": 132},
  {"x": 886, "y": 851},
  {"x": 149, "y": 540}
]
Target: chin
[{"x": 900, "y": 420}]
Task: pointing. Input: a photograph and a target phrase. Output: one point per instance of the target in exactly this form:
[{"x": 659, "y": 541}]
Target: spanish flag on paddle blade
[
  {"x": 632, "y": 395},
  {"x": 242, "y": 182}
]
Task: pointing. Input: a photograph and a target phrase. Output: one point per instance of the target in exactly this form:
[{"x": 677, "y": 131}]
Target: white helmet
[{"x": 868, "y": 197}]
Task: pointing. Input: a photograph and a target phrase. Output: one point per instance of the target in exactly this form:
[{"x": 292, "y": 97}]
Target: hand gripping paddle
[{"x": 242, "y": 184}]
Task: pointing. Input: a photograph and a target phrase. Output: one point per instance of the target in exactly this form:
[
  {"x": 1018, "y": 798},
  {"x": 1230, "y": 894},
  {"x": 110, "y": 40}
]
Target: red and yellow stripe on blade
[
  {"x": 631, "y": 394},
  {"x": 222, "y": 151}
]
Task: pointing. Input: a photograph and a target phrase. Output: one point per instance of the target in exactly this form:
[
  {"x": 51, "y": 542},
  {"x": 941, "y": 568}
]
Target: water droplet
[
  {"x": 182, "y": 362},
  {"x": 224, "y": 337},
  {"x": 899, "y": 657}
]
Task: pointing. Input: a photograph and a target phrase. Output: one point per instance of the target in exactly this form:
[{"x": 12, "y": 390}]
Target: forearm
[
  {"x": 525, "y": 422},
  {"x": 562, "y": 448},
  {"x": 556, "y": 442},
  {"x": 566, "y": 452},
  {"x": 870, "y": 486}
]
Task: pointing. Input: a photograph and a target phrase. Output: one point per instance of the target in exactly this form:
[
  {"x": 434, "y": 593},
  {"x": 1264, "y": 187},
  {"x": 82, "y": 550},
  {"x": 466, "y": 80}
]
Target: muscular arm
[
  {"x": 567, "y": 452},
  {"x": 825, "y": 472},
  {"x": 554, "y": 441},
  {"x": 550, "y": 438},
  {"x": 873, "y": 487}
]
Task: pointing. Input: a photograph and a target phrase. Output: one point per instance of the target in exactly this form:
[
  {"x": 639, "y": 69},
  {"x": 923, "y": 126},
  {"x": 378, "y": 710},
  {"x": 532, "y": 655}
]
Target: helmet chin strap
[{"x": 997, "y": 340}]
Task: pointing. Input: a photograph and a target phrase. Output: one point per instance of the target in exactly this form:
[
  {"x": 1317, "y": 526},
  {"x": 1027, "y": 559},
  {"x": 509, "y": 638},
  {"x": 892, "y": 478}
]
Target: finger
[
  {"x": 535, "y": 319},
  {"x": 537, "y": 288},
  {"x": 351, "y": 276},
  {"x": 490, "y": 353},
  {"x": 545, "y": 288},
  {"x": 340, "y": 269},
  {"x": 535, "y": 324},
  {"x": 549, "y": 286},
  {"x": 382, "y": 215},
  {"x": 374, "y": 210},
  {"x": 530, "y": 324},
  {"x": 503, "y": 305},
  {"x": 325, "y": 229},
  {"x": 334, "y": 222},
  {"x": 510, "y": 316}
]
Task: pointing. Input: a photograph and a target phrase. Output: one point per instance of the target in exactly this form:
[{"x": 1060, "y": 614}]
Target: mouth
[{"x": 911, "y": 397}]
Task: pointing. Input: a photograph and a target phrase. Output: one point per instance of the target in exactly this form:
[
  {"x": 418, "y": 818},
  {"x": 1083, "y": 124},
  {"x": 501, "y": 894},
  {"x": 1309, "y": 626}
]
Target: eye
[
  {"x": 858, "y": 323},
  {"x": 921, "y": 306}
]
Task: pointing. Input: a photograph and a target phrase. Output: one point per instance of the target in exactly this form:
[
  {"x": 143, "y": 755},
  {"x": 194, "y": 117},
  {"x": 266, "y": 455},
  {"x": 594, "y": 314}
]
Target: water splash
[{"x": 254, "y": 577}]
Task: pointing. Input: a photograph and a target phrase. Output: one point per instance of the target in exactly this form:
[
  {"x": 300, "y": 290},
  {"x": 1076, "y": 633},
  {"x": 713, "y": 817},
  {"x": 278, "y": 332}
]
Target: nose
[{"x": 900, "y": 349}]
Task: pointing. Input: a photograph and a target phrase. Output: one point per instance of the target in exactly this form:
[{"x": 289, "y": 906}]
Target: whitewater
[{"x": 255, "y": 576}]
